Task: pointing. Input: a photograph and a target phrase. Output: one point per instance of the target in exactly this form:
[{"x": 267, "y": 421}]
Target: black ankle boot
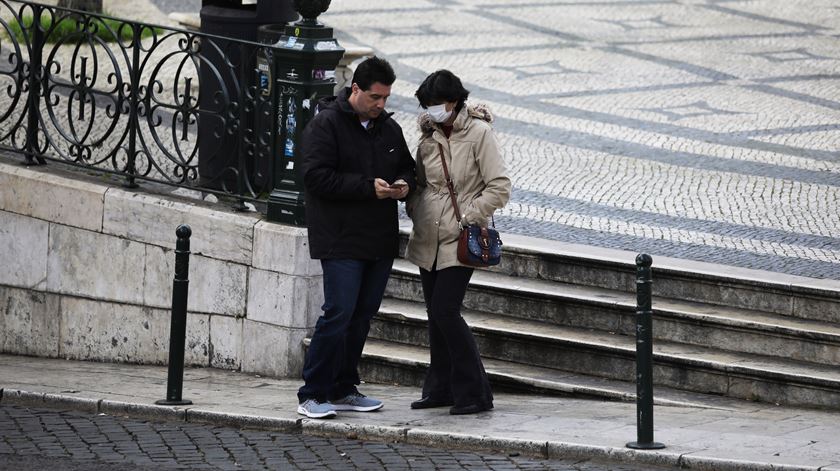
[{"x": 428, "y": 403}]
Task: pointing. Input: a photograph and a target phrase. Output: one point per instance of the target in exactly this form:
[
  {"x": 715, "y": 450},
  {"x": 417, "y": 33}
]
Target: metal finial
[{"x": 310, "y": 9}]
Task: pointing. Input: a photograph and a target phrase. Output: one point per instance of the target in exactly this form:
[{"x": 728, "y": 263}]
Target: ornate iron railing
[{"x": 157, "y": 104}]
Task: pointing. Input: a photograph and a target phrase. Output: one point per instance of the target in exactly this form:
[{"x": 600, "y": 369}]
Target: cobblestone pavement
[
  {"x": 68, "y": 438},
  {"x": 697, "y": 129},
  {"x": 701, "y": 129}
]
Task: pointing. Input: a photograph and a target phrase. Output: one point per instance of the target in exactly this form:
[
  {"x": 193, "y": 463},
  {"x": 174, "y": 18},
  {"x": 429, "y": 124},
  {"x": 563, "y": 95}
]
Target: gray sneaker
[
  {"x": 357, "y": 402},
  {"x": 316, "y": 410}
]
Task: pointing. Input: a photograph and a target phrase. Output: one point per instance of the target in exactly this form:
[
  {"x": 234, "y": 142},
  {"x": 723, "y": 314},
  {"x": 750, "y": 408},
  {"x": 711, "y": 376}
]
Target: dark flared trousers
[{"x": 455, "y": 371}]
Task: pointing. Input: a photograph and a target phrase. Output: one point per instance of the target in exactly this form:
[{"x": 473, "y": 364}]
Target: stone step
[
  {"x": 799, "y": 297},
  {"x": 562, "y": 304},
  {"x": 391, "y": 362},
  {"x": 609, "y": 355}
]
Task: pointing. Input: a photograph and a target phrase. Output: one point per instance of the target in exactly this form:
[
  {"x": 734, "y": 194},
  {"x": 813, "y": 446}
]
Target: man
[{"x": 355, "y": 165}]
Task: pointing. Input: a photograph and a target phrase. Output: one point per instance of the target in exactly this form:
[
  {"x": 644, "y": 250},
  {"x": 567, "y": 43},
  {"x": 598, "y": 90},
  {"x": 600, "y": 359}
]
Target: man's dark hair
[
  {"x": 441, "y": 86},
  {"x": 373, "y": 70}
]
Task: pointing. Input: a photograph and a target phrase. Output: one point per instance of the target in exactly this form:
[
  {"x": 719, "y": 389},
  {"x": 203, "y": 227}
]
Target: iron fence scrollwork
[{"x": 129, "y": 98}]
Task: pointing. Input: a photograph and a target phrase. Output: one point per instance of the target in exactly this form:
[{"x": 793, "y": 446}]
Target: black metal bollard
[
  {"x": 644, "y": 356},
  {"x": 178, "y": 329}
]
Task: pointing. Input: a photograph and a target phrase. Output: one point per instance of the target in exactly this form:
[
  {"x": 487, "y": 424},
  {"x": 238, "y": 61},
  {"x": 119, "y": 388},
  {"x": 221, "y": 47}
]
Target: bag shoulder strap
[{"x": 449, "y": 185}]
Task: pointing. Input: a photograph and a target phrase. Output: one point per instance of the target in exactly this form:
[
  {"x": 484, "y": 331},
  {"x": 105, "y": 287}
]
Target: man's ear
[{"x": 355, "y": 88}]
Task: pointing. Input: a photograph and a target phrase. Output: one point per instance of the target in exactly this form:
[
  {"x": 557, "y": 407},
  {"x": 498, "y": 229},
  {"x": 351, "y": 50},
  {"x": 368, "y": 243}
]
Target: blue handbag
[{"x": 477, "y": 246}]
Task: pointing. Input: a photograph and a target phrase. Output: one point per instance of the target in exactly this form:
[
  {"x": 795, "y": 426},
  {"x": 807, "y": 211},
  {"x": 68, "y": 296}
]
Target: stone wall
[{"x": 86, "y": 271}]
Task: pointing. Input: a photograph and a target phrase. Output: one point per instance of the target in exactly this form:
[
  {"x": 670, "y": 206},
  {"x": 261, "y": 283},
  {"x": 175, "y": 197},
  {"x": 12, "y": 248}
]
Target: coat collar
[{"x": 468, "y": 112}]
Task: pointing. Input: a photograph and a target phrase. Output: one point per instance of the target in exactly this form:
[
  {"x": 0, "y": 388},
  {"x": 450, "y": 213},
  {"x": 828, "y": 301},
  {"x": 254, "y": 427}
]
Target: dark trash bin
[{"x": 227, "y": 69}]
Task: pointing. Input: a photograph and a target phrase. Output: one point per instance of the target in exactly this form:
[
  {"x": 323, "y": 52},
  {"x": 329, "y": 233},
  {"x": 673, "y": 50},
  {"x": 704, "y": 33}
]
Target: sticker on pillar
[
  {"x": 290, "y": 147},
  {"x": 291, "y": 125},
  {"x": 264, "y": 77},
  {"x": 326, "y": 46},
  {"x": 319, "y": 74},
  {"x": 264, "y": 84}
]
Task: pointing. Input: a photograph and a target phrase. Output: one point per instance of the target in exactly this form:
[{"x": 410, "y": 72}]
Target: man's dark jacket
[{"x": 340, "y": 161}]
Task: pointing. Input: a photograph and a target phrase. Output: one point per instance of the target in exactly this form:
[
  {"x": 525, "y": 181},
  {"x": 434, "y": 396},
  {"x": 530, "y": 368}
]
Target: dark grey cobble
[{"x": 70, "y": 438}]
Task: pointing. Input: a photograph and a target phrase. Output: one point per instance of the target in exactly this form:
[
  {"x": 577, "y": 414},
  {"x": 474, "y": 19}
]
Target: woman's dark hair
[
  {"x": 441, "y": 86},
  {"x": 373, "y": 70}
]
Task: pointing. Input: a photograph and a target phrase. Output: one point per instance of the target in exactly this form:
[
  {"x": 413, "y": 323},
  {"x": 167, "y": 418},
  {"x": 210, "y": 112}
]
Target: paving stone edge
[{"x": 332, "y": 428}]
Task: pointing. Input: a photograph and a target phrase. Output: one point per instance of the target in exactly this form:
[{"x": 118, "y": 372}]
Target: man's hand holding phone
[
  {"x": 400, "y": 187},
  {"x": 396, "y": 190}
]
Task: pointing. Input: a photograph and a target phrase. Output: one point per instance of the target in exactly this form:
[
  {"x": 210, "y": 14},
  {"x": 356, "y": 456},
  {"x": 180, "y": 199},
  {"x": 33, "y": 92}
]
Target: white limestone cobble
[
  {"x": 698, "y": 129},
  {"x": 666, "y": 126}
]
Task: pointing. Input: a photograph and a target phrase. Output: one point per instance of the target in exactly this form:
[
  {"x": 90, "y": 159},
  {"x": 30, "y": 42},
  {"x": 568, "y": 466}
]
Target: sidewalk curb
[
  {"x": 243, "y": 421},
  {"x": 331, "y": 428},
  {"x": 477, "y": 442},
  {"x": 50, "y": 401}
]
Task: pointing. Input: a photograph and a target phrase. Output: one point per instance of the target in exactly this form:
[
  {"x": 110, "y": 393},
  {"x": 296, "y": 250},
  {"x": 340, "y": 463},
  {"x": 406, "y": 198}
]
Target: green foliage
[{"x": 69, "y": 29}]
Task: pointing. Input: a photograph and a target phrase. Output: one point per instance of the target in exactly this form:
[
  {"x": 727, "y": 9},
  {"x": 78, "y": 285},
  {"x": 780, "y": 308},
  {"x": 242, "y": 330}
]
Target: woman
[{"x": 463, "y": 134}]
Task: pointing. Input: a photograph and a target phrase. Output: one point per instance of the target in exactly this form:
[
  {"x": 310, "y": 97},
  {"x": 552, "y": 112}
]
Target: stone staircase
[{"x": 558, "y": 318}]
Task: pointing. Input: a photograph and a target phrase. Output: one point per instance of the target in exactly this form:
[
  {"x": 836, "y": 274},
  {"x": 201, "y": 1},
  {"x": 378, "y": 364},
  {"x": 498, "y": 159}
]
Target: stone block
[
  {"x": 197, "y": 345},
  {"x": 283, "y": 249},
  {"x": 215, "y": 287},
  {"x": 143, "y": 411},
  {"x": 284, "y": 300},
  {"x": 29, "y": 322},
  {"x": 24, "y": 241},
  {"x": 51, "y": 197},
  {"x": 722, "y": 292},
  {"x": 226, "y": 342},
  {"x": 782, "y": 391},
  {"x": 94, "y": 265},
  {"x": 826, "y": 309},
  {"x": 363, "y": 432},
  {"x": 152, "y": 219},
  {"x": 271, "y": 350},
  {"x": 102, "y": 331},
  {"x": 256, "y": 422}
]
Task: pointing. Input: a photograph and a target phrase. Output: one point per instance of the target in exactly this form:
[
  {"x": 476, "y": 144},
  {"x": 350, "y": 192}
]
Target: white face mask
[{"x": 438, "y": 113}]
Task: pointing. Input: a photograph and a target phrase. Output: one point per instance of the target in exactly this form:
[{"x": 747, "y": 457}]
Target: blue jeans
[{"x": 353, "y": 291}]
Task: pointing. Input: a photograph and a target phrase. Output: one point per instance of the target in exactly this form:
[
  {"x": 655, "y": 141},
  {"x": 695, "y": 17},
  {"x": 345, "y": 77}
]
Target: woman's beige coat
[{"x": 478, "y": 175}]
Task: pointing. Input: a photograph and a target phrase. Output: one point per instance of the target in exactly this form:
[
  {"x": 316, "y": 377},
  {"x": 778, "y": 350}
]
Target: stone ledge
[
  {"x": 51, "y": 197},
  {"x": 283, "y": 249},
  {"x": 151, "y": 219}
]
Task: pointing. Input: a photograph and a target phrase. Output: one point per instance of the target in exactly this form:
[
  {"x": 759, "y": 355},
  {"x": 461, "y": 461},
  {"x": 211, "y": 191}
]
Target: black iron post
[
  {"x": 32, "y": 146},
  {"x": 644, "y": 356},
  {"x": 178, "y": 329},
  {"x": 133, "y": 107},
  {"x": 304, "y": 59}
]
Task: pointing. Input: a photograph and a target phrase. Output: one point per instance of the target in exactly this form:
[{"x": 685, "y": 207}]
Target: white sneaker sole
[
  {"x": 315, "y": 415},
  {"x": 348, "y": 407}
]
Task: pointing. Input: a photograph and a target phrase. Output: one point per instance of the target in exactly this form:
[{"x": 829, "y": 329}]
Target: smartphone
[{"x": 398, "y": 185}]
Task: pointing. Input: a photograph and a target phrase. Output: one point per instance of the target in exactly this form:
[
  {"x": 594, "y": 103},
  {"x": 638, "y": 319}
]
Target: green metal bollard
[
  {"x": 644, "y": 357},
  {"x": 178, "y": 329}
]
